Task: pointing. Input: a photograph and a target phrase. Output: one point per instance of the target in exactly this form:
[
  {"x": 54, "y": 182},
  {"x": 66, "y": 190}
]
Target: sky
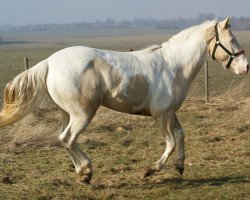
[{"x": 23, "y": 12}]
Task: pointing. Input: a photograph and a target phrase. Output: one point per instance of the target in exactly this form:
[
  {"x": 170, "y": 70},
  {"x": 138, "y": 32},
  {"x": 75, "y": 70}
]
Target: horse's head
[{"x": 225, "y": 49}]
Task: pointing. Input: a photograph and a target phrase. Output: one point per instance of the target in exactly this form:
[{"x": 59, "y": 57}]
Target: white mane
[
  {"x": 183, "y": 47},
  {"x": 151, "y": 48},
  {"x": 194, "y": 30},
  {"x": 196, "y": 33}
]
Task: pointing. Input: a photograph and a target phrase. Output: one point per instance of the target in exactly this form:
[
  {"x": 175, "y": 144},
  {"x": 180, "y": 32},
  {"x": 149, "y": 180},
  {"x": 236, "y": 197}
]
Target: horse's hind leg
[
  {"x": 69, "y": 136},
  {"x": 166, "y": 122},
  {"x": 179, "y": 137},
  {"x": 65, "y": 123}
]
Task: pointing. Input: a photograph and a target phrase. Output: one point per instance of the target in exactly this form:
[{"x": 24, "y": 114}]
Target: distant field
[{"x": 33, "y": 165}]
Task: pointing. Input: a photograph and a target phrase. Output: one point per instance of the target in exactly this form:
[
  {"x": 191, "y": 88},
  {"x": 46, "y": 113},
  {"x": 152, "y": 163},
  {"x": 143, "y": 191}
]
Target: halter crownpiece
[{"x": 218, "y": 43}]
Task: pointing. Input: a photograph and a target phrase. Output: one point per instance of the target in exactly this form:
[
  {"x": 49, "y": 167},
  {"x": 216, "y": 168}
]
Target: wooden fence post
[
  {"x": 206, "y": 82},
  {"x": 26, "y": 63}
]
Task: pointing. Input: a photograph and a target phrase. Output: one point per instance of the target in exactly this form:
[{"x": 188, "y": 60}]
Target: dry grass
[{"x": 35, "y": 167}]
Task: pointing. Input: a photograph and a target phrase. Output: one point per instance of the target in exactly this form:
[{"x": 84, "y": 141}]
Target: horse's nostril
[{"x": 247, "y": 68}]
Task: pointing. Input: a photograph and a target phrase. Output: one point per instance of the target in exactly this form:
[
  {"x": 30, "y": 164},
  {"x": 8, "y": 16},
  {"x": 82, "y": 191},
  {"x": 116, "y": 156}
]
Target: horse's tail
[{"x": 24, "y": 94}]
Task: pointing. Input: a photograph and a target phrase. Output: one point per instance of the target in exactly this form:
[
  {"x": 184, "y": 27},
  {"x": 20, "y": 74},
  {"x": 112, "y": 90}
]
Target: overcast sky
[{"x": 22, "y": 12}]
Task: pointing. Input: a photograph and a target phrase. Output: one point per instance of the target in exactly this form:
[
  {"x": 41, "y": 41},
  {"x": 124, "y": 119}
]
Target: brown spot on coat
[
  {"x": 128, "y": 95},
  {"x": 120, "y": 94},
  {"x": 137, "y": 89},
  {"x": 103, "y": 84}
]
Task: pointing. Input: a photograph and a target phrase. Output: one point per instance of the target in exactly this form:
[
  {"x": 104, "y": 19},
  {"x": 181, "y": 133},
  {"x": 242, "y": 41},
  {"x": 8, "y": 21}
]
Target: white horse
[{"x": 152, "y": 82}]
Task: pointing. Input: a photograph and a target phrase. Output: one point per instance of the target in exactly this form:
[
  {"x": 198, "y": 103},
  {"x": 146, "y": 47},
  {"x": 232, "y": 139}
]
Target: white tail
[{"x": 24, "y": 94}]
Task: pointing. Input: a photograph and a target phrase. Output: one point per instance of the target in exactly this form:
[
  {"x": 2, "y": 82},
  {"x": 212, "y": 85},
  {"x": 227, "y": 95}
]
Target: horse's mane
[
  {"x": 183, "y": 47},
  {"x": 183, "y": 35},
  {"x": 186, "y": 33},
  {"x": 151, "y": 48}
]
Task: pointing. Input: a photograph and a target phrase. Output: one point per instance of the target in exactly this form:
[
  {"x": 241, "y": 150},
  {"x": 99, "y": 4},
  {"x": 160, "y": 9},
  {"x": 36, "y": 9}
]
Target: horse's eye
[{"x": 231, "y": 40}]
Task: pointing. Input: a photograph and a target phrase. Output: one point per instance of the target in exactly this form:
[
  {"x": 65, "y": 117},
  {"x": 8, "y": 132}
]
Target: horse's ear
[{"x": 225, "y": 23}]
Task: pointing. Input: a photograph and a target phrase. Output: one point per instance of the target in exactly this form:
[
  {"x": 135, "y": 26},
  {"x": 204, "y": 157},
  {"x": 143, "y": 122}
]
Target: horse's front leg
[
  {"x": 179, "y": 137},
  {"x": 166, "y": 122}
]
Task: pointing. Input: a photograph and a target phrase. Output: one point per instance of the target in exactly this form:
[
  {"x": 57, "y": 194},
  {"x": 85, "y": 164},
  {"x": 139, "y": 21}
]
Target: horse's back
[{"x": 122, "y": 81}]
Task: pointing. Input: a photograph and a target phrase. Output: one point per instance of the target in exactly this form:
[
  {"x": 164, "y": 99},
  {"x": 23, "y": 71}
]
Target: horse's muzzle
[{"x": 244, "y": 70}]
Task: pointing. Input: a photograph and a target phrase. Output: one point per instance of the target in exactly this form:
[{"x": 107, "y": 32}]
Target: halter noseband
[{"x": 218, "y": 43}]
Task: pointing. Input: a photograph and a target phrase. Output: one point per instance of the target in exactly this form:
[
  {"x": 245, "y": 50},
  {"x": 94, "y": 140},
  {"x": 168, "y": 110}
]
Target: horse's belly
[
  {"x": 130, "y": 96},
  {"x": 125, "y": 105}
]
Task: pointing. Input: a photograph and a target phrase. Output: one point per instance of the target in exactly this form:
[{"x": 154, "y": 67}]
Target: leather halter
[{"x": 218, "y": 43}]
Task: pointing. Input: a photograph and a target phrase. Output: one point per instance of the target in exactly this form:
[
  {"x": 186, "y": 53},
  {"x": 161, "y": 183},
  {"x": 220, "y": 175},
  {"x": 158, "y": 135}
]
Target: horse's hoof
[
  {"x": 148, "y": 172},
  {"x": 85, "y": 179},
  {"x": 180, "y": 170}
]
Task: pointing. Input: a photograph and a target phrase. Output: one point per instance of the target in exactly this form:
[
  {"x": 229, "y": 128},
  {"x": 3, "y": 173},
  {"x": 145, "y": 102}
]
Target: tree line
[{"x": 242, "y": 23}]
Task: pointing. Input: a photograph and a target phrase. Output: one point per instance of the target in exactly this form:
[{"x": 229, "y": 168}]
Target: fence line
[
  {"x": 206, "y": 82},
  {"x": 26, "y": 63}
]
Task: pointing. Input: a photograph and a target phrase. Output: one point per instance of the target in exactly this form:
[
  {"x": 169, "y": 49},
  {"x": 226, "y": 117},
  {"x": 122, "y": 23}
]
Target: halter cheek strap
[{"x": 218, "y": 43}]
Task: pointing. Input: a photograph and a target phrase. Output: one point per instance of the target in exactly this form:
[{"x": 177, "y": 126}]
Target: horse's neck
[{"x": 188, "y": 54}]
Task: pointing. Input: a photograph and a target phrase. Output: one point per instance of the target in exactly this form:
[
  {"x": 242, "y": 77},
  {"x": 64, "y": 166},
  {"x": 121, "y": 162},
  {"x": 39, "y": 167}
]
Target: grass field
[{"x": 33, "y": 165}]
